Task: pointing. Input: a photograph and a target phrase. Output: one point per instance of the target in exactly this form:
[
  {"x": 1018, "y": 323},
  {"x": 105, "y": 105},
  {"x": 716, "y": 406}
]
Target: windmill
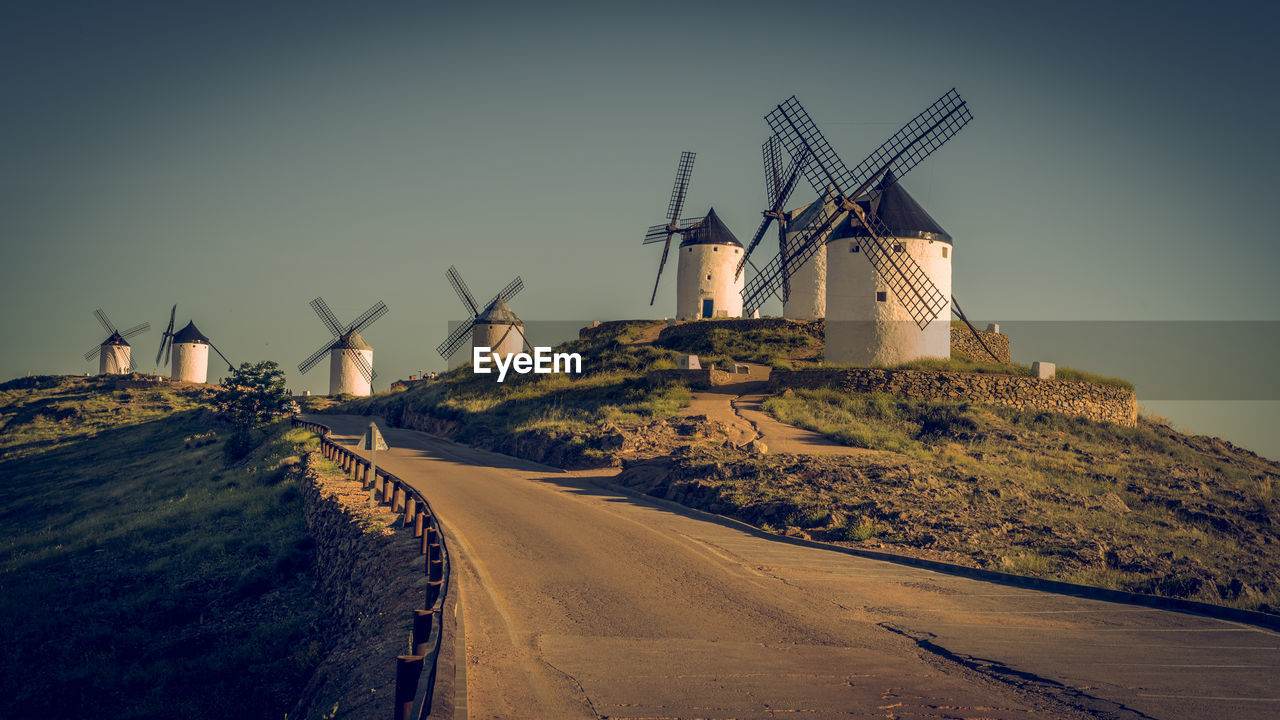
[
  {"x": 866, "y": 320},
  {"x": 778, "y": 184},
  {"x": 114, "y": 354},
  {"x": 707, "y": 284},
  {"x": 492, "y": 325},
  {"x": 350, "y": 357},
  {"x": 189, "y": 349}
]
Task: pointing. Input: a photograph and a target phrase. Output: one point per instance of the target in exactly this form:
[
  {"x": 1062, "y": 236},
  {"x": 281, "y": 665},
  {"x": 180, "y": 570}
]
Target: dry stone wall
[
  {"x": 965, "y": 346},
  {"x": 1103, "y": 403}
]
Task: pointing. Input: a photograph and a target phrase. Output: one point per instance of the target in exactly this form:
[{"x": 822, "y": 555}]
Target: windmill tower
[
  {"x": 870, "y": 329},
  {"x": 114, "y": 354},
  {"x": 493, "y": 325},
  {"x": 350, "y": 357},
  {"x": 900, "y": 309},
  {"x": 806, "y": 296},
  {"x": 708, "y": 284},
  {"x": 189, "y": 350}
]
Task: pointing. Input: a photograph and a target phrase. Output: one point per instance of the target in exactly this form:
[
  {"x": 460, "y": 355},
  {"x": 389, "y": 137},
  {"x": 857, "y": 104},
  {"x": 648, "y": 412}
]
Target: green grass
[
  {"x": 971, "y": 366},
  {"x": 140, "y": 576},
  {"x": 773, "y": 346}
]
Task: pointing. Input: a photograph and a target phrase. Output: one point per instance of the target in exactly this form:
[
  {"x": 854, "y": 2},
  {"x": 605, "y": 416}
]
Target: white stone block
[
  {"x": 993, "y": 328},
  {"x": 1044, "y": 370},
  {"x": 688, "y": 362}
]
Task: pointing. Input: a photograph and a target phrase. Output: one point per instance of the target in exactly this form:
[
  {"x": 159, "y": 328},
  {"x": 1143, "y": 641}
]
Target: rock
[
  {"x": 757, "y": 447},
  {"x": 1113, "y": 504}
]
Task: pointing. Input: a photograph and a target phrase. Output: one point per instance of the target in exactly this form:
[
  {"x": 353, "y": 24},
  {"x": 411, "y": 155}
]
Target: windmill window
[
  {"x": 854, "y": 247},
  {"x": 897, "y": 247},
  {"x": 715, "y": 249},
  {"x": 708, "y": 277},
  {"x": 944, "y": 252},
  {"x": 882, "y": 296}
]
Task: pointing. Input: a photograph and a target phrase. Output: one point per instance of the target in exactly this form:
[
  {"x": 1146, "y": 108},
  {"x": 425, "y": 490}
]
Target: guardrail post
[
  {"x": 417, "y": 523},
  {"x": 434, "y": 588},
  {"x": 409, "y": 504},
  {"x": 408, "y": 670},
  {"x": 422, "y": 621}
]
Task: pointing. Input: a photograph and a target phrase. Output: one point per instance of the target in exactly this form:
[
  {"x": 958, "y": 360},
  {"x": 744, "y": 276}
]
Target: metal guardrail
[{"x": 415, "y": 671}]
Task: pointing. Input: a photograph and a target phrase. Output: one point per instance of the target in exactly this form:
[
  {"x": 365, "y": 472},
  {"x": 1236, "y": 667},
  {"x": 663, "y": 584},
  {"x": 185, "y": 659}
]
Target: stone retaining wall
[
  {"x": 965, "y": 347},
  {"x": 1103, "y": 403}
]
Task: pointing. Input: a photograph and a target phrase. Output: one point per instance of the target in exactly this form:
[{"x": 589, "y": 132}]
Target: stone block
[
  {"x": 993, "y": 328},
  {"x": 1044, "y": 370},
  {"x": 688, "y": 362}
]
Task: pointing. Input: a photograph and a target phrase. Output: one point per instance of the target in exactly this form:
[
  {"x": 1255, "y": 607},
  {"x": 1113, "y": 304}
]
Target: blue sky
[{"x": 239, "y": 160}]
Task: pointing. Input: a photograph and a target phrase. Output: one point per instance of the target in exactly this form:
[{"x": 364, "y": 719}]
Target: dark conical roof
[
  {"x": 190, "y": 334},
  {"x": 115, "y": 339},
  {"x": 900, "y": 213},
  {"x": 711, "y": 231},
  {"x": 498, "y": 313},
  {"x": 801, "y": 218},
  {"x": 350, "y": 341}
]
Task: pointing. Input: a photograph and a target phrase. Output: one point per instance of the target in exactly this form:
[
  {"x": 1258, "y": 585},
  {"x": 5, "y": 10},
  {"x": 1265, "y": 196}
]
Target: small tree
[{"x": 252, "y": 395}]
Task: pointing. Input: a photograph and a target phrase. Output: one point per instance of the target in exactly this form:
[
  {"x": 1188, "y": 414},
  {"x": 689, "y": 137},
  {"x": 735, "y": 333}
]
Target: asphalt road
[{"x": 583, "y": 600}]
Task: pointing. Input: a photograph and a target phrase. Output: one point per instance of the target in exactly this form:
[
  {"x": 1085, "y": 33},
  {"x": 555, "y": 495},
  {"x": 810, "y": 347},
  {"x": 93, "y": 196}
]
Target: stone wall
[
  {"x": 1103, "y": 403},
  {"x": 371, "y": 577},
  {"x": 708, "y": 378},
  {"x": 965, "y": 347}
]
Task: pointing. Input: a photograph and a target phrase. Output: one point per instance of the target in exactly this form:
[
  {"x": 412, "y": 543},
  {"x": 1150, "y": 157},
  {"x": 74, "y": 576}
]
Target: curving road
[{"x": 583, "y": 600}]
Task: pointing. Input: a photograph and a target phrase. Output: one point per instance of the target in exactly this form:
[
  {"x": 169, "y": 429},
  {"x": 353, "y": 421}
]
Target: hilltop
[
  {"x": 1142, "y": 508},
  {"x": 142, "y": 575}
]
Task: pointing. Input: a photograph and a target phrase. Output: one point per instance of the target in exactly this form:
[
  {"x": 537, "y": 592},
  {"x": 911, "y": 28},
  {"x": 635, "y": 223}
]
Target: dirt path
[{"x": 746, "y": 421}]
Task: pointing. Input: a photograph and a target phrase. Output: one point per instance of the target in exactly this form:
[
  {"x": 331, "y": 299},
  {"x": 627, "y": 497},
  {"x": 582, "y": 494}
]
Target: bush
[{"x": 240, "y": 444}]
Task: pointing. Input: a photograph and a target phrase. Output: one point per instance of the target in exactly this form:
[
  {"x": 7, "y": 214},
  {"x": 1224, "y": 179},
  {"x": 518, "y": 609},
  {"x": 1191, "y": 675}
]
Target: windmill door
[{"x": 708, "y": 308}]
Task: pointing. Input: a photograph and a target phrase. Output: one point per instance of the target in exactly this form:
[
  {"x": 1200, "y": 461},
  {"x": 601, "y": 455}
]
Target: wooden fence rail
[{"x": 415, "y": 671}]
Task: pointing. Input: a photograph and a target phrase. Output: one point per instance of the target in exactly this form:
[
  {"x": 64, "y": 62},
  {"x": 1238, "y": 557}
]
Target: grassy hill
[
  {"x": 141, "y": 576},
  {"x": 1145, "y": 509}
]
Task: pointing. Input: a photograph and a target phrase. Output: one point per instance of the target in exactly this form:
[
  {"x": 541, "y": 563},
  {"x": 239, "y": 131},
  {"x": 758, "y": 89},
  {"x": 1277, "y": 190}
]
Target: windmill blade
[
  {"x": 230, "y": 367},
  {"x": 168, "y": 352},
  {"x": 784, "y": 190},
  {"x": 772, "y": 151},
  {"x": 368, "y": 318},
  {"x": 106, "y": 323},
  {"x": 460, "y": 287},
  {"x": 661, "y": 263},
  {"x": 916, "y": 140},
  {"x": 512, "y": 289},
  {"x": 310, "y": 362},
  {"x": 683, "y": 173},
  {"x": 136, "y": 330},
  {"x": 451, "y": 343},
  {"x": 362, "y": 364},
  {"x": 656, "y": 234},
  {"x": 327, "y": 317},
  {"x": 164, "y": 344},
  {"x": 93, "y": 352}
]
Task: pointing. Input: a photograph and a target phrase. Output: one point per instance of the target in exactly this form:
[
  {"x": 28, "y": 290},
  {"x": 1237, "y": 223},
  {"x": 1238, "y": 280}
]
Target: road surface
[{"x": 583, "y": 600}]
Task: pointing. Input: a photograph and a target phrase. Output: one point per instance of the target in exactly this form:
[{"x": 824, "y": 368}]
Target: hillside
[
  {"x": 1145, "y": 508},
  {"x": 141, "y": 575}
]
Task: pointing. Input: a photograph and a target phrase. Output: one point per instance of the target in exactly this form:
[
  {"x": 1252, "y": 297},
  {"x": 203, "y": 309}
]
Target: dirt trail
[{"x": 739, "y": 408}]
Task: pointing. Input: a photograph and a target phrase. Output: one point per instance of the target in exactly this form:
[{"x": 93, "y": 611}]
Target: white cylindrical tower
[
  {"x": 866, "y": 324},
  {"x": 346, "y": 375},
  {"x": 190, "y": 361},
  {"x": 808, "y": 297},
  {"x": 115, "y": 356},
  {"x": 499, "y": 329},
  {"x": 705, "y": 283}
]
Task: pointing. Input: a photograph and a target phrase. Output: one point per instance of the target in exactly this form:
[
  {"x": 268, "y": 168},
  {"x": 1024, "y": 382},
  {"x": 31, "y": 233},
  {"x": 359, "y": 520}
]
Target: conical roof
[
  {"x": 498, "y": 313},
  {"x": 350, "y": 341},
  {"x": 801, "y": 218},
  {"x": 900, "y": 213},
  {"x": 115, "y": 339},
  {"x": 711, "y": 231},
  {"x": 190, "y": 334}
]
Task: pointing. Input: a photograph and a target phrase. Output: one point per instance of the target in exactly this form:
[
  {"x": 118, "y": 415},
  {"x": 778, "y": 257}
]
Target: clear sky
[{"x": 239, "y": 159}]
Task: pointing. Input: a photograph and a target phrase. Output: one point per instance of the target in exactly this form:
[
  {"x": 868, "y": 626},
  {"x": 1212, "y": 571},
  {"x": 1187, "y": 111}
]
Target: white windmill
[
  {"x": 708, "y": 284},
  {"x": 350, "y": 357},
  {"x": 898, "y": 308},
  {"x": 189, "y": 350},
  {"x": 115, "y": 356},
  {"x": 492, "y": 325}
]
